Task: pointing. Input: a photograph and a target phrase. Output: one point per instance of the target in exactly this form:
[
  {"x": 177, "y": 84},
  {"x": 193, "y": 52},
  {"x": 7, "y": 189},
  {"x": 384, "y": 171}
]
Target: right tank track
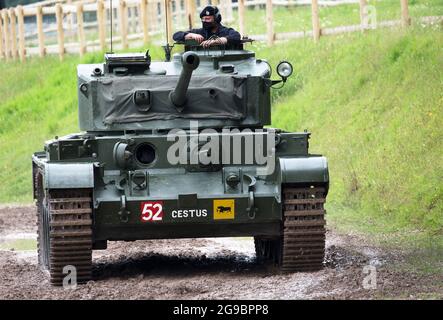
[{"x": 303, "y": 243}]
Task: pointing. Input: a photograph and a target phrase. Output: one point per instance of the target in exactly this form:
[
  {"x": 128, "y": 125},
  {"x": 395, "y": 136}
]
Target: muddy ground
[{"x": 222, "y": 268}]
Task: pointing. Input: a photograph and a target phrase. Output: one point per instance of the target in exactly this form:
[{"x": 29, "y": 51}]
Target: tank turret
[{"x": 218, "y": 88}]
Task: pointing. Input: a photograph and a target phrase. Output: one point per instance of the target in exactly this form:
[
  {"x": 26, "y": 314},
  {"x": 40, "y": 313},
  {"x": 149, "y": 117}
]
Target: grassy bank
[
  {"x": 39, "y": 102},
  {"x": 298, "y": 18},
  {"x": 374, "y": 104}
]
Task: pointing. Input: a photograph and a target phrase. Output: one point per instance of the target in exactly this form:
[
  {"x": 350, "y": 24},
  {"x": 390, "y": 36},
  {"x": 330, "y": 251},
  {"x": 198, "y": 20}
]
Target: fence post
[
  {"x": 41, "y": 35},
  {"x": 6, "y": 33},
  {"x": 168, "y": 9},
  {"x": 123, "y": 23},
  {"x": 80, "y": 30},
  {"x": 241, "y": 16},
  {"x": 101, "y": 24},
  {"x": 190, "y": 12},
  {"x": 363, "y": 15},
  {"x": 60, "y": 33},
  {"x": 315, "y": 21},
  {"x": 270, "y": 22},
  {"x": 144, "y": 20},
  {"x": 13, "y": 22},
  {"x": 2, "y": 49},
  {"x": 21, "y": 33},
  {"x": 405, "y": 19}
]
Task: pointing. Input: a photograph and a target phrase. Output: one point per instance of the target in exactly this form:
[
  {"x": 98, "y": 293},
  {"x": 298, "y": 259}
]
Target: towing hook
[
  {"x": 251, "y": 207},
  {"x": 123, "y": 213}
]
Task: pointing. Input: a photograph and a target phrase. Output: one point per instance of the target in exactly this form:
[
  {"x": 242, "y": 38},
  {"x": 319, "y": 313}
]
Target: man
[{"x": 211, "y": 25}]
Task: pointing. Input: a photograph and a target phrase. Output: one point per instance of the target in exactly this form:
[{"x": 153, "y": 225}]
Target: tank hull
[
  {"x": 91, "y": 189},
  {"x": 188, "y": 195}
]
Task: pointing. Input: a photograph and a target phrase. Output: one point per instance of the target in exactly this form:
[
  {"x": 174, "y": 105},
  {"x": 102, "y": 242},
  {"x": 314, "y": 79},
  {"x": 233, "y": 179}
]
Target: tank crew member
[{"x": 211, "y": 25}]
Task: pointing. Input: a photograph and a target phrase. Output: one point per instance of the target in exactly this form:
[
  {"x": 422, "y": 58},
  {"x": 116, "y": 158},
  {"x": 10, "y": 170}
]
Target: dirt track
[{"x": 223, "y": 268}]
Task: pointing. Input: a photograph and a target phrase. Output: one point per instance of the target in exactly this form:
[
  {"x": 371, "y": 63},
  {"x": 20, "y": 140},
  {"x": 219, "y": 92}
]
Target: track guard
[
  {"x": 69, "y": 175},
  {"x": 312, "y": 169}
]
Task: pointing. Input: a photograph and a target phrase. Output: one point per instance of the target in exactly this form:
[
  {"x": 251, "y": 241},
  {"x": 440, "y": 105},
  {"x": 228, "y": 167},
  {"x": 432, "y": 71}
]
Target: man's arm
[
  {"x": 226, "y": 36},
  {"x": 180, "y": 36}
]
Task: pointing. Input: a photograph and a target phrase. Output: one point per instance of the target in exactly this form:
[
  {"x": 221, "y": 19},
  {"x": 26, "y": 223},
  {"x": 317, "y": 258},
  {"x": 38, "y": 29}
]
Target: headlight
[{"x": 284, "y": 69}]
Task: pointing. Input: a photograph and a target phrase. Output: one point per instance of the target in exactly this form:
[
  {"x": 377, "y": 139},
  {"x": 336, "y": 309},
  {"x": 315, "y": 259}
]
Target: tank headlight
[
  {"x": 284, "y": 70},
  {"x": 122, "y": 156}
]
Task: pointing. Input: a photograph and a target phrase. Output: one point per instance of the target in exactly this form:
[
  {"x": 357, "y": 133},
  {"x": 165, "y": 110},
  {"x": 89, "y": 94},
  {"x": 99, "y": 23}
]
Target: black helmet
[{"x": 211, "y": 11}]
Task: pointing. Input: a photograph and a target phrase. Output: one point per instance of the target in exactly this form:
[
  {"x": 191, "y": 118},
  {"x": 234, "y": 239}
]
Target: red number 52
[{"x": 151, "y": 211}]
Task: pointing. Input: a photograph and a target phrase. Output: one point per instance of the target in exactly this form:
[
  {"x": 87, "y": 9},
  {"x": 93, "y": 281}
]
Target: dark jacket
[{"x": 230, "y": 34}]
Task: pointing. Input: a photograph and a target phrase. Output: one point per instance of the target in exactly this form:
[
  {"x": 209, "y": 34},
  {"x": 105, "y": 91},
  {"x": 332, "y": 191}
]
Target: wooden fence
[{"x": 140, "y": 20}]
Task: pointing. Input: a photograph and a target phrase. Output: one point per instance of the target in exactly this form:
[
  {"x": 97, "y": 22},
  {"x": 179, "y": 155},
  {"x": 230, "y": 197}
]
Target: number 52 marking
[{"x": 151, "y": 211}]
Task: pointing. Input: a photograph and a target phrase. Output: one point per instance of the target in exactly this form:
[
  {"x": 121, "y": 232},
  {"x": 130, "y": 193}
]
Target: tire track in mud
[{"x": 222, "y": 268}]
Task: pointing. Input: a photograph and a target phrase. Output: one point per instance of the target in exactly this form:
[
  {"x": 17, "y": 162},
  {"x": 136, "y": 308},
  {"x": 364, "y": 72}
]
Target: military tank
[{"x": 179, "y": 149}]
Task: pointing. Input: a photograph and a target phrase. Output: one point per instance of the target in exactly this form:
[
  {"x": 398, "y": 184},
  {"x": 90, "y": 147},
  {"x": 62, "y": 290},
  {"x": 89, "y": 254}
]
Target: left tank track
[
  {"x": 65, "y": 233},
  {"x": 301, "y": 246}
]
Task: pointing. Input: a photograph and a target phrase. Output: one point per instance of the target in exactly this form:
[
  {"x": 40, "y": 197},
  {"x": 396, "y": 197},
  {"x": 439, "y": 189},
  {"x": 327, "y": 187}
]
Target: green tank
[{"x": 179, "y": 149}]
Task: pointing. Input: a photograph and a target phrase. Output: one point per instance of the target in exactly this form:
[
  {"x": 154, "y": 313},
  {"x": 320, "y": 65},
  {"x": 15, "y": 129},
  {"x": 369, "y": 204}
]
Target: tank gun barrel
[{"x": 190, "y": 62}]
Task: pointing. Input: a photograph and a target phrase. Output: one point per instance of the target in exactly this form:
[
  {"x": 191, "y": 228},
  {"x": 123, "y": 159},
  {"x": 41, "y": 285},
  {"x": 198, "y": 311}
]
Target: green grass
[
  {"x": 374, "y": 105},
  {"x": 39, "y": 102},
  {"x": 298, "y": 18},
  {"x": 19, "y": 245}
]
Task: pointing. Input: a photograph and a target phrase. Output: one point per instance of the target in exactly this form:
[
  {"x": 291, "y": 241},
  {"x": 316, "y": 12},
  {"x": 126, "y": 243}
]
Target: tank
[{"x": 179, "y": 149}]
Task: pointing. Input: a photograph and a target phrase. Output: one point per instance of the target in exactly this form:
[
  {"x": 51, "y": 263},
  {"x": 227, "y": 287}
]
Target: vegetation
[
  {"x": 286, "y": 19},
  {"x": 39, "y": 102},
  {"x": 298, "y": 18},
  {"x": 374, "y": 105}
]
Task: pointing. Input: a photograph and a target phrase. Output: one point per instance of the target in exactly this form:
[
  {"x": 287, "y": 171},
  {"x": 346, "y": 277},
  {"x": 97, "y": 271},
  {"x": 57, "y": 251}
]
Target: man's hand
[
  {"x": 194, "y": 36},
  {"x": 214, "y": 42}
]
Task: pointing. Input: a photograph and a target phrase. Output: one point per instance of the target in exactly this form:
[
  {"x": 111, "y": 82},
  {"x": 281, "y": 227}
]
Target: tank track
[
  {"x": 65, "y": 233},
  {"x": 303, "y": 243},
  {"x": 39, "y": 223}
]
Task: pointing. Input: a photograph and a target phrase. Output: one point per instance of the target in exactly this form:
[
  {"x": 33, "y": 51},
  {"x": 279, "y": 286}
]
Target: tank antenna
[
  {"x": 112, "y": 13},
  {"x": 167, "y": 47}
]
